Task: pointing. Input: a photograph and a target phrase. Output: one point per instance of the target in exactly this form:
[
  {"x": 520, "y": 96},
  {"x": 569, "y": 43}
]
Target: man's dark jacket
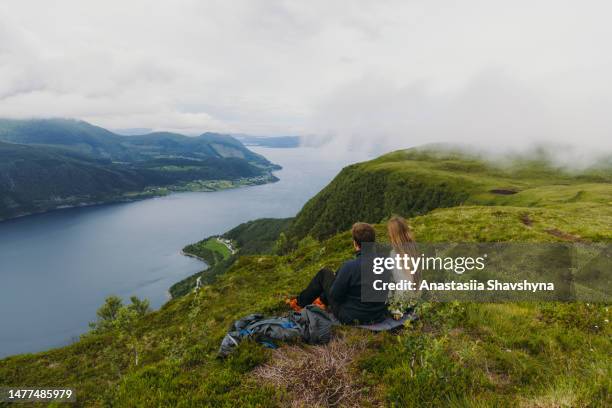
[{"x": 345, "y": 296}]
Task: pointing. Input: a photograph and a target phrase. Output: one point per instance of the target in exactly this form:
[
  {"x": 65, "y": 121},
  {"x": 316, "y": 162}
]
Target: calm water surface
[{"x": 57, "y": 268}]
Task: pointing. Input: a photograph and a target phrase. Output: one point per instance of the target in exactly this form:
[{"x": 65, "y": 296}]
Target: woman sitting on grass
[{"x": 402, "y": 243}]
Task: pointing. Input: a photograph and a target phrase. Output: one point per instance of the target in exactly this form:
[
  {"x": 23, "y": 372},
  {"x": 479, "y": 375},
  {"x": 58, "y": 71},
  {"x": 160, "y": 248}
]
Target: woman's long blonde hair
[
  {"x": 401, "y": 236},
  {"x": 402, "y": 240}
]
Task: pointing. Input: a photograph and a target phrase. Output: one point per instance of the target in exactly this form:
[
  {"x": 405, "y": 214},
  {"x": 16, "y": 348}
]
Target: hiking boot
[
  {"x": 319, "y": 303},
  {"x": 293, "y": 303}
]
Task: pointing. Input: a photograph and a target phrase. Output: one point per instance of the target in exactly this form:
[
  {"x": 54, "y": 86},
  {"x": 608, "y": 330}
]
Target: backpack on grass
[{"x": 311, "y": 325}]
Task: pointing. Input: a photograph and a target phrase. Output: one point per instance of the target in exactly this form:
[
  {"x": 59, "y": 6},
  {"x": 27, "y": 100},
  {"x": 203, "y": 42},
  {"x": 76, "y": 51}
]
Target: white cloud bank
[{"x": 378, "y": 74}]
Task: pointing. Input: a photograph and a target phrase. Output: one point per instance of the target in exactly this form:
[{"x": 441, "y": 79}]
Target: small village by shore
[{"x": 227, "y": 243}]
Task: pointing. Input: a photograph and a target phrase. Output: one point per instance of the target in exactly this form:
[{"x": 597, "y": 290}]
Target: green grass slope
[
  {"x": 458, "y": 355},
  {"x": 416, "y": 181},
  {"x": 252, "y": 237},
  {"x": 258, "y": 236},
  {"x": 217, "y": 257}
]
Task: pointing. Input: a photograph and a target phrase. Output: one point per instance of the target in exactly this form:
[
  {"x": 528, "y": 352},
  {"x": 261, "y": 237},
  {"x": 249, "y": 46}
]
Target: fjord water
[{"x": 57, "y": 268}]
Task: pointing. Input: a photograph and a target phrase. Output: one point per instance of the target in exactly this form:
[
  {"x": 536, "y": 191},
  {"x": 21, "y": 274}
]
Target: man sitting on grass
[{"x": 341, "y": 293}]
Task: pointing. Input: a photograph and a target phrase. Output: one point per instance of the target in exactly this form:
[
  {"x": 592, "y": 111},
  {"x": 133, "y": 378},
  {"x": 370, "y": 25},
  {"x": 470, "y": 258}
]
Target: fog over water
[{"x": 57, "y": 268}]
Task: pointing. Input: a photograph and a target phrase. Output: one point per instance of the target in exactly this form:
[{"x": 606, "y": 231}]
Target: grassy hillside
[
  {"x": 480, "y": 355},
  {"x": 416, "y": 181},
  {"x": 218, "y": 259},
  {"x": 56, "y": 163},
  {"x": 258, "y": 236},
  {"x": 211, "y": 250},
  {"x": 252, "y": 237}
]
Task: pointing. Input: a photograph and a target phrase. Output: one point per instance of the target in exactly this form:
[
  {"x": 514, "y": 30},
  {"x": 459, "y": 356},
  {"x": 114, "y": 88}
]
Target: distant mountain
[
  {"x": 272, "y": 141},
  {"x": 75, "y": 135},
  {"x": 98, "y": 142},
  {"x": 51, "y": 163},
  {"x": 159, "y": 144}
]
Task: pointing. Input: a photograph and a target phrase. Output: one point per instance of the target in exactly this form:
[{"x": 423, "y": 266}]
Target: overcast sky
[{"x": 397, "y": 73}]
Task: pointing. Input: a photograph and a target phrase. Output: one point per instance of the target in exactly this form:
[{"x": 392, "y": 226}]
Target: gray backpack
[
  {"x": 312, "y": 325},
  {"x": 315, "y": 324}
]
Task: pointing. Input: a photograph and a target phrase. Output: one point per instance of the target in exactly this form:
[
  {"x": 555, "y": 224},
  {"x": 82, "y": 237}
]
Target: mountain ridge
[
  {"x": 415, "y": 181},
  {"x": 99, "y": 142},
  {"x": 56, "y": 163}
]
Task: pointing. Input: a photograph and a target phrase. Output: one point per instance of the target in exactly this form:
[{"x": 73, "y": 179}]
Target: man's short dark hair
[{"x": 363, "y": 232}]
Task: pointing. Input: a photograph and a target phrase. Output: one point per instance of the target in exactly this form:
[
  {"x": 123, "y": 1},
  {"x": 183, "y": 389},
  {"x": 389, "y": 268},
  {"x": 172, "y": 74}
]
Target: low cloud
[
  {"x": 369, "y": 75},
  {"x": 493, "y": 112}
]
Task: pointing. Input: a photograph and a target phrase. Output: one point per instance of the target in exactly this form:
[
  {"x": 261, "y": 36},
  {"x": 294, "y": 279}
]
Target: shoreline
[
  {"x": 79, "y": 205},
  {"x": 190, "y": 255},
  {"x": 169, "y": 296},
  {"x": 148, "y": 194}
]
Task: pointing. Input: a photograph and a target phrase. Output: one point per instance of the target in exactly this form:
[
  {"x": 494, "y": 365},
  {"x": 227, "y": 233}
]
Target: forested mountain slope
[
  {"x": 416, "y": 181},
  {"x": 480, "y": 355},
  {"x": 98, "y": 142},
  {"x": 53, "y": 163}
]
